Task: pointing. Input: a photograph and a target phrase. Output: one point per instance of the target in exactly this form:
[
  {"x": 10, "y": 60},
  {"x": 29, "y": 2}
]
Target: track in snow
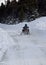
[{"x": 29, "y": 50}]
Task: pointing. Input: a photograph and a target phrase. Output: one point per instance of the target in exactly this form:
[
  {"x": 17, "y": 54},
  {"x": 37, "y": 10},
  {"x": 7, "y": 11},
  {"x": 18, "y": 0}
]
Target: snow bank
[
  {"x": 39, "y": 24},
  {"x": 5, "y": 42}
]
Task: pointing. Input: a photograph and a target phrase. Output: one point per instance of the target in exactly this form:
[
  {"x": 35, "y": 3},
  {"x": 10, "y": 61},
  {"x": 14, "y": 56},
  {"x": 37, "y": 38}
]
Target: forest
[{"x": 23, "y": 10}]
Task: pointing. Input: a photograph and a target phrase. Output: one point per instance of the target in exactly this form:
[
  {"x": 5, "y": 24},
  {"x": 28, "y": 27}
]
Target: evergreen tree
[
  {"x": 42, "y": 7},
  {"x": 2, "y": 11},
  {"x": 8, "y": 2}
]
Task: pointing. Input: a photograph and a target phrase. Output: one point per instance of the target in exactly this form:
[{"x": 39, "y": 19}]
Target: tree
[
  {"x": 42, "y": 7},
  {"x": 2, "y": 11},
  {"x": 8, "y": 2}
]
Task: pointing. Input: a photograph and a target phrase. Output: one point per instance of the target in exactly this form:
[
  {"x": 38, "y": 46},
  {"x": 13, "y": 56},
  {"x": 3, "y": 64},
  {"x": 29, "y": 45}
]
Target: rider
[{"x": 25, "y": 27}]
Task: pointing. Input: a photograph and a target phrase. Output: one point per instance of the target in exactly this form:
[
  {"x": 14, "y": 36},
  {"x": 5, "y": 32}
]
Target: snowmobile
[{"x": 25, "y": 29}]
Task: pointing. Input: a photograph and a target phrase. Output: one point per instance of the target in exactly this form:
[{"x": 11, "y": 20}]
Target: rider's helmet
[{"x": 26, "y": 26}]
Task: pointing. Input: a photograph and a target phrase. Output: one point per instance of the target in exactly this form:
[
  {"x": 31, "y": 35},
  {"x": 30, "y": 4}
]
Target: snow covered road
[{"x": 25, "y": 49}]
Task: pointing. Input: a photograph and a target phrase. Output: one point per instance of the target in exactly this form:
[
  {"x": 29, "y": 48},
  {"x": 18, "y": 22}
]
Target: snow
[
  {"x": 5, "y": 42},
  {"x": 40, "y": 23},
  {"x": 16, "y": 49},
  {"x": 2, "y": 1}
]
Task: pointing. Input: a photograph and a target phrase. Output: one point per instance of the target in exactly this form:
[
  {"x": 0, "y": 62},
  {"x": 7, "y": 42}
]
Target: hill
[{"x": 16, "y": 49}]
